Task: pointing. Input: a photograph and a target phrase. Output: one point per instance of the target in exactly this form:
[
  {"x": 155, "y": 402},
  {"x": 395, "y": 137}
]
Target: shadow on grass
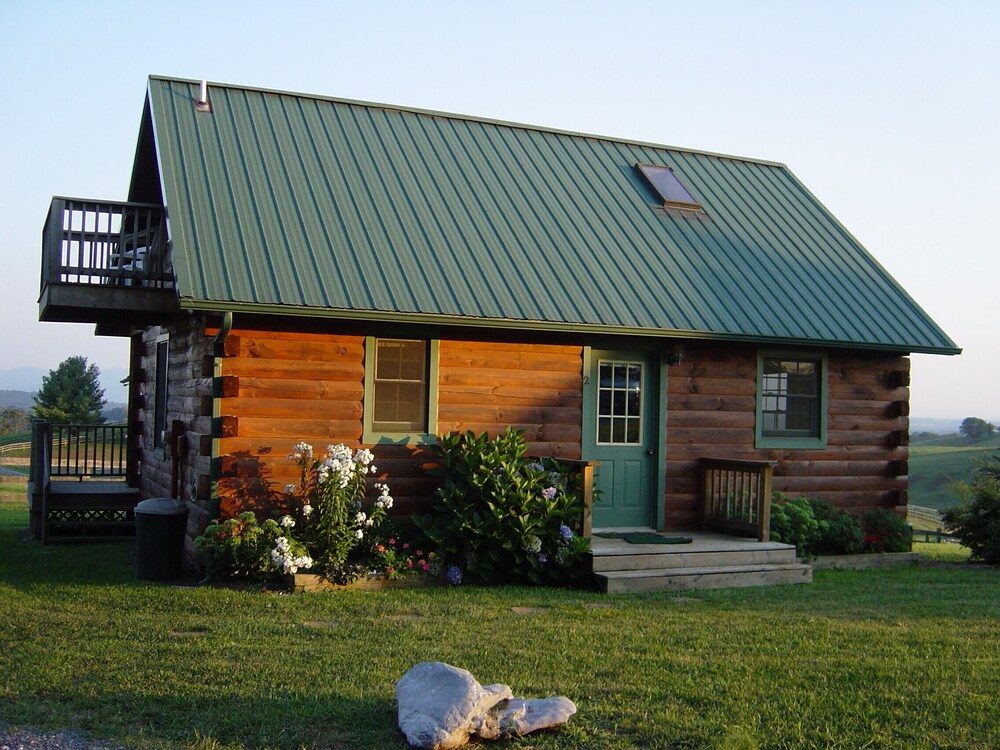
[
  {"x": 200, "y": 721},
  {"x": 27, "y": 562}
]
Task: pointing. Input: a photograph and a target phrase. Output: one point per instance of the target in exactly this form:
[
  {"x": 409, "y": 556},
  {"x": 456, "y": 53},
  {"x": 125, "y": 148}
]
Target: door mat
[{"x": 645, "y": 537}]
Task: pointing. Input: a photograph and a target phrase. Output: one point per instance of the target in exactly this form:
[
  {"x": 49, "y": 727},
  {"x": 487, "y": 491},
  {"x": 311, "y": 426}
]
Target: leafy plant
[
  {"x": 977, "y": 519},
  {"x": 884, "y": 531},
  {"x": 838, "y": 532},
  {"x": 501, "y": 516},
  {"x": 241, "y": 548},
  {"x": 331, "y": 527},
  {"x": 793, "y": 522}
]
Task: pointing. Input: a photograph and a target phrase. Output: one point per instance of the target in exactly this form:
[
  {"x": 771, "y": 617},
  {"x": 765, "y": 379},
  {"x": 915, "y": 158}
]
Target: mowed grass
[{"x": 896, "y": 658}]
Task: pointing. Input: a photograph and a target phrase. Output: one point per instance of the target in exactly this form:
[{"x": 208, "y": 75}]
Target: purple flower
[
  {"x": 565, "y": 532},
  {"x": 543, "y": 558},
  {"x": 549, "y": 492},
  {"x": 454, "y": 575}
]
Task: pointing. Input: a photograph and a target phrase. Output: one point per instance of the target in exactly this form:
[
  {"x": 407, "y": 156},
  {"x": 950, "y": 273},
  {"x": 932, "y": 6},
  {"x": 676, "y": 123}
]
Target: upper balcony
[{"x": 106, "y": 263}]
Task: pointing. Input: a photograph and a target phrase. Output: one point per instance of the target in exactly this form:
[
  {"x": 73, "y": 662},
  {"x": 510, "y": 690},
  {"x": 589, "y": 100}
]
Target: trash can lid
[{"x": 162, "y": 506}]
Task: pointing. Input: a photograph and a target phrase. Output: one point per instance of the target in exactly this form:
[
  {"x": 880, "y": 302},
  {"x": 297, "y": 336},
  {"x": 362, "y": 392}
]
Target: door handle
[{"x": 649, "y": 451}]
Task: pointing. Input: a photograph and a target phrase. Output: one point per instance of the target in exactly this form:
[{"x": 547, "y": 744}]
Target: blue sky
[{"x": 888, "y": 111}]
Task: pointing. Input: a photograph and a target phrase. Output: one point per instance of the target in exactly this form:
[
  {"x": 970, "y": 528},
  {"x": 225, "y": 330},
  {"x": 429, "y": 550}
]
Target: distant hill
[
  {"x": 937, "y": 426},
  {"x": 113, "y": 412},
  {"x": 29, "y": 379},
  {"x": 16, "y": 400}
]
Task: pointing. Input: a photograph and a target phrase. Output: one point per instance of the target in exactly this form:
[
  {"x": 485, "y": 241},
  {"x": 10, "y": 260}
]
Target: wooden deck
[
  {"x": 92, "y": 511},
  {"x": 710, "y": 560}
]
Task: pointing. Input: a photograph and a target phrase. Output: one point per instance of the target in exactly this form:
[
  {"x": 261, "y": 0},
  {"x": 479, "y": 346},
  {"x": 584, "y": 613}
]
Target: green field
[
  {"x": 937, "y": 464},
  {"x": 894, "y": 658}
]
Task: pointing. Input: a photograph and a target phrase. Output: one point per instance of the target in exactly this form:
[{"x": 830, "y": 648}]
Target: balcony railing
[
  {"x": 78, "y": 451},
  {"x": 737, "y": 496},
  {"x": 105, "y": 243}
]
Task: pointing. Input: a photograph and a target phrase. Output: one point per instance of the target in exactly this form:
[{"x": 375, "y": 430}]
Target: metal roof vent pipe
[{"x": 201, "y": 104}]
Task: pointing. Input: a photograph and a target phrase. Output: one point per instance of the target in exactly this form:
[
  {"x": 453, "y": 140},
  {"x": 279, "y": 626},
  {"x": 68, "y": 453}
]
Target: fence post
[{"x": 764, "y": 505}]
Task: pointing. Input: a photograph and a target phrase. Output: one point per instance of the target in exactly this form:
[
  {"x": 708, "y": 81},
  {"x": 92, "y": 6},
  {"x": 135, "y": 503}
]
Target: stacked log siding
[
  {"x": 189, "y": 390},
  {"x": 282, "y": 387},
  {"x": 711, "y": 406}
]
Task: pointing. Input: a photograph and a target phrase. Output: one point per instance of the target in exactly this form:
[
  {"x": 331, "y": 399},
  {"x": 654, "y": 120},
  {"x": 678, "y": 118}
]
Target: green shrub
[
  {"x": 240, "y": 548},
  {"x": 839, "y": 532},
  {"x": 814, "y": 526},
  {"x": 977, "y": 520},
  {"x": 793, "y": 522},
  {"x": 502, "y": 517},
  {"x": 884, "y": 531}
]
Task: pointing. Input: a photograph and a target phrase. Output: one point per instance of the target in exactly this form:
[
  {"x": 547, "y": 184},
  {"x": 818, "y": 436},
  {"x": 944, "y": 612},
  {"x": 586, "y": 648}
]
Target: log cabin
[{"x": 295, "y": 267}]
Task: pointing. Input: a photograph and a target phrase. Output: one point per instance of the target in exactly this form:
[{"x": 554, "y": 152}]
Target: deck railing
[
  {"x": 105, "y": 242},
  {"x": 737, "y": 496},
  {"x": 67, "y": 450}
]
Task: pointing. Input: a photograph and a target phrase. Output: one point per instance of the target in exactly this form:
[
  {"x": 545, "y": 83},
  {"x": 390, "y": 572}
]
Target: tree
[
  {"x": 14, "y": 421},
  {"x": 977, "y": 520},
  {"x": 976, "y": 429},
  {"x": 71, "y": 394}
]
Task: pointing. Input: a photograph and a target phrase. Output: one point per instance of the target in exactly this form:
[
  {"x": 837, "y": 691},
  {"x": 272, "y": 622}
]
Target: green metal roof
[{"x": 318, "y": 206}]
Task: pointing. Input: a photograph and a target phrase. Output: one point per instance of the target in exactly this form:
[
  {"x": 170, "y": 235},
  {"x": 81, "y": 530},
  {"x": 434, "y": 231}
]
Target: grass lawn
[{"x": 894, "y": 658}]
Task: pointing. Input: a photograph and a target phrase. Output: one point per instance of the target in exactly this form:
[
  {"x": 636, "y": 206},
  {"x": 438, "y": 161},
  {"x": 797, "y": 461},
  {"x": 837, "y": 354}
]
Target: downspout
[{"x": 218, "y": 352}]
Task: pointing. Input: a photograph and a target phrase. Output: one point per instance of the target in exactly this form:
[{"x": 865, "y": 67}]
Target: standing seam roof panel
[{"x": 350, "y": 206}]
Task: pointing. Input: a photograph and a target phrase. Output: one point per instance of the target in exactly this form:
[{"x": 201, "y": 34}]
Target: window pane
[
  {"x": 790, "y": 397},
  {"x": 618, "y": 431},
  {"x": 604, "y": 430},
  {"x": 665, "y": 182},
  {"x": 400, "y": 388},
  {"x": 632, "y": 432}
]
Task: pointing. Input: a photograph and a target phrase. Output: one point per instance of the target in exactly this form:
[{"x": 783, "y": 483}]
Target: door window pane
[{"x": 619, "y": 403}]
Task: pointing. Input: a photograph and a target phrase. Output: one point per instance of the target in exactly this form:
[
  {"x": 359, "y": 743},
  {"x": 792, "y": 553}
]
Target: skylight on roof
[{"x": 670, "y": 189}]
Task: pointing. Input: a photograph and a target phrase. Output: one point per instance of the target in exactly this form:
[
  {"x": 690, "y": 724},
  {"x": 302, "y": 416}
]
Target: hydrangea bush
[{"x": 502, "y": 517}]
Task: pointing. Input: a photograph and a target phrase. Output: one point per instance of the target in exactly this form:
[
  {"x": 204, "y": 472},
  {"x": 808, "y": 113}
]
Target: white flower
[
  {"x": 290, "y": 488},
  {"x": 360, "y": 518},
  {"x": 364, "y": 456},
  {"x": 281, "y": 544},
  {"x": 372, "y": 469},
  {"x": 307, "y": 509},
  {"x": 287, "y": 522},
  {"x": 359, "y": 534},
  {"x": 370, "y": 522}
]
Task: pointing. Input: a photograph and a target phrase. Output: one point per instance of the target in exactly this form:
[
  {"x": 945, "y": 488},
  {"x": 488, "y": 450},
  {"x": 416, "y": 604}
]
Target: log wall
[
  {"x": 189, "y": 390},
  {"x": 711, "y": 407},
  {"x": 282, "y": 387}
]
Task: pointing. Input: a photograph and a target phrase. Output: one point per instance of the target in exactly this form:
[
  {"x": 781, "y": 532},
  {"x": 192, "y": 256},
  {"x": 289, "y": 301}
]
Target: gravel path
[{"x": 29, "y": 739}]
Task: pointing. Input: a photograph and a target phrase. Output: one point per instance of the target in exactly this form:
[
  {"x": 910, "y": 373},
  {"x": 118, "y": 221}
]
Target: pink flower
[
  {"x": 406, "y": 545},
  {"x": 391, "y": 540}
]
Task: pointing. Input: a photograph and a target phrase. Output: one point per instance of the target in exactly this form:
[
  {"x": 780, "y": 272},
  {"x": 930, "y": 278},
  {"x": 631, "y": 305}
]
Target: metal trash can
[{"x": 160, "y": 526}]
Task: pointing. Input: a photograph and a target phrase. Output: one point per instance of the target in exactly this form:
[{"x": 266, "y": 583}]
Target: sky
[{"x": 888, "y": 111}]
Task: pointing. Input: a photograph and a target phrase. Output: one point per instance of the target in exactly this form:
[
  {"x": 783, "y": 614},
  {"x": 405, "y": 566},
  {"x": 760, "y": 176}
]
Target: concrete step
[
  {"x": 760, "y": 554},
  {"x": 708, "y": 577}
]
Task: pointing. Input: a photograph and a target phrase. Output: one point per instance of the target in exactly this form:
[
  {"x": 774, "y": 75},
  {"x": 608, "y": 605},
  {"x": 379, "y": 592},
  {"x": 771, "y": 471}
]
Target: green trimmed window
[
  {"x": 160, "y": 390},
  {"x": 791, "y": 401},
  {"x": 400, "y": 390}
]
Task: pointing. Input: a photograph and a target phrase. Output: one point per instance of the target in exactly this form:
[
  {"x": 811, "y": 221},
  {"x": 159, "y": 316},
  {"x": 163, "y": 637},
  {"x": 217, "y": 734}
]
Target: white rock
[
  {"x": 520, "y": 716},
  {"x": 440, "y": 707}
]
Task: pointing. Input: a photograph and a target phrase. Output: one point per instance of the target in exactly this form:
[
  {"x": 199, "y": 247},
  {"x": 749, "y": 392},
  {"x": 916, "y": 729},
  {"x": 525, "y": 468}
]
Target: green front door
[{"x": 620, "y": 429}]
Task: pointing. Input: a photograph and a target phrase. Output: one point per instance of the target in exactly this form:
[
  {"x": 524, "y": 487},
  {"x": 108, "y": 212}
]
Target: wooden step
[
  {"x": 760, "y": 554},
  {"x": 708, "y": 577}
]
